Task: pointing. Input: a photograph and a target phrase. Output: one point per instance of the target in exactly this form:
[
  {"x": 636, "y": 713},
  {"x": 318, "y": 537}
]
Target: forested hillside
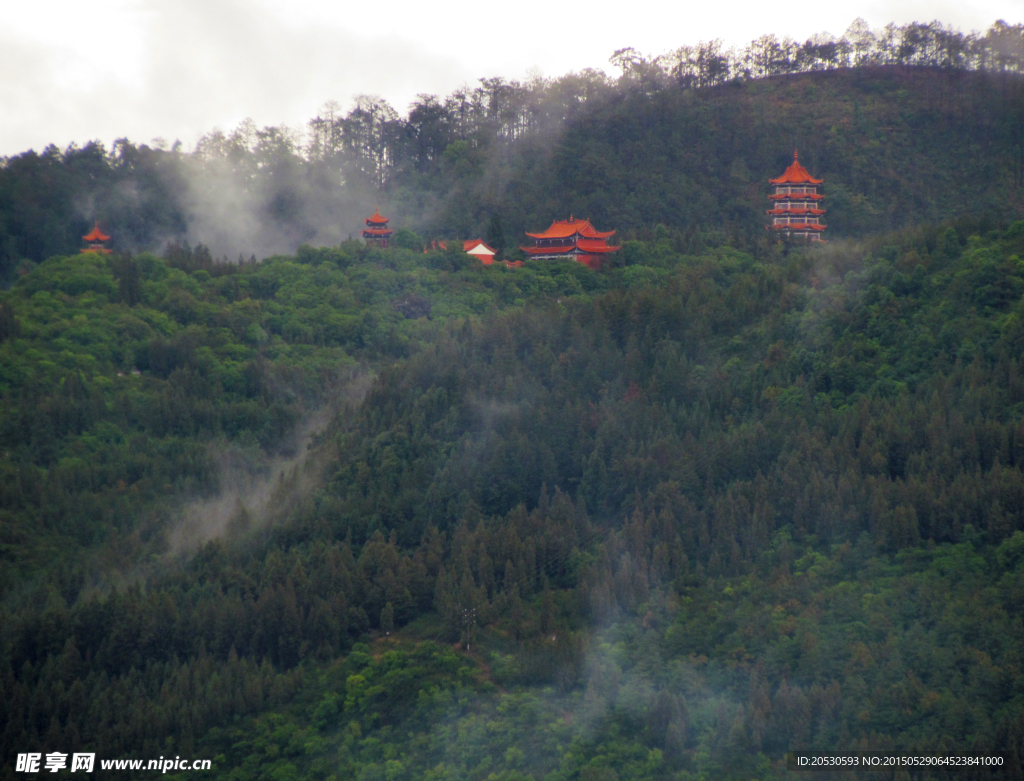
[
  {"x": 676, "y": 518},
  {"x": 343, "y": 512},
  {"x": 129, "y": 383},
  {"x": 911, "y": 124}
]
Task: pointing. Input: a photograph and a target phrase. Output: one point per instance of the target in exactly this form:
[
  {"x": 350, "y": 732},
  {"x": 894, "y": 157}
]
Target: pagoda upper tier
[
  {"x": 96, "y": 238},
  {"x": 572, "y": 238},
  {"x": 796, "y": 203},
  {"x": 376, "y": 231}
]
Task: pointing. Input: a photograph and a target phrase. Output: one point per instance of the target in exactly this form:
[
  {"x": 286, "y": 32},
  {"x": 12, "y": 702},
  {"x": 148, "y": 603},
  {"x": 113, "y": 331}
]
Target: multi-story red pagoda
[
  {"x": 573, "y": 239},
  {"x": 796, "y": 203},
  {"x": 376, "y": 231},
  {"x": 96, "y": 238}
]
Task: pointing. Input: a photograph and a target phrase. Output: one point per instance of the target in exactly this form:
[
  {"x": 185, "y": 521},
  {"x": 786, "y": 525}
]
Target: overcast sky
[{"x": 175, "y": 69}]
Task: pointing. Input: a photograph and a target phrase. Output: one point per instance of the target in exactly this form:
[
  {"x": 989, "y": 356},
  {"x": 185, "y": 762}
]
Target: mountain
[
  {"x": 678, "y": 517},
  {"x": 352, "y": 512},
  {"x": 896, "y": 145}
]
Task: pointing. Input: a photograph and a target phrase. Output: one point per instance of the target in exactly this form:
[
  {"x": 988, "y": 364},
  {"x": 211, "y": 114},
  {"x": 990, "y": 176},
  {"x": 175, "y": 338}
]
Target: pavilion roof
[
  {"x": 563, "y": 229},
  {"x": 796, "y": 174},
  {"x": 376, "y": 219},
  {"x": 377, "y": 231},
  {"x": 96, "y": 234}
]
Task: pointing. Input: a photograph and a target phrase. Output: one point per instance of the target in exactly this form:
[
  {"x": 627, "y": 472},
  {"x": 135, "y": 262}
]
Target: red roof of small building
[
  {"x": 563, "y": 229},
  {"x": 474, "y": 243},
  {"x": 796, "y": 174},
  {"x": 376, "y": 219},
  {"x": 96, "y": 234}
]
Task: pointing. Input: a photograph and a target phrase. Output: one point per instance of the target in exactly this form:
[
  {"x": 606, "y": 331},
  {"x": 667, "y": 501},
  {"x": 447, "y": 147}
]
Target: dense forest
[
  {"x": 911, "y": 124},
  {"x": 676, "y": 517},
  {"x": 344, "y": 512}
]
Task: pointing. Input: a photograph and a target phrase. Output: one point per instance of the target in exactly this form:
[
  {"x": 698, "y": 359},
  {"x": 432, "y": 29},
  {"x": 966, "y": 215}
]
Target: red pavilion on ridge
[
  {"x": 376, "y": 231},
  {"x": 571, "y": 239},
  {"x": 796, "y": 203},
  {"x": 96, "y": 238}
]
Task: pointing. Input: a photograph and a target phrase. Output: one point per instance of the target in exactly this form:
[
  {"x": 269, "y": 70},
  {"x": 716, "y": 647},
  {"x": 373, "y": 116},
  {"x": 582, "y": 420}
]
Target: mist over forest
[
  {"x": 700, "y": 120},
  {"x": 309, "y": 507}
]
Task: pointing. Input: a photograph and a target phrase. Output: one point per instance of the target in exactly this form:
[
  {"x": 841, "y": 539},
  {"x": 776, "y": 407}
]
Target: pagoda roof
[
  {"x": 96, "y": 234},
  {"x": 795, "y": 211},
  {"x": 377, "y": 231},
  {"x": 376, "y": 219},
  {"x": 563, "y": 229},
  {"x": 795, "y": 197},
  {"x": 800, "y": 226},
  {"x": 796, "y": 174}
]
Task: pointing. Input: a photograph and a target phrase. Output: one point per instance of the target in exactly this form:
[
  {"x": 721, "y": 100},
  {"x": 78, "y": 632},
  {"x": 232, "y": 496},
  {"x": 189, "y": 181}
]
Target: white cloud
[
  {"x": 202, "y": 63},
  {"x": 72, "y": 71}
]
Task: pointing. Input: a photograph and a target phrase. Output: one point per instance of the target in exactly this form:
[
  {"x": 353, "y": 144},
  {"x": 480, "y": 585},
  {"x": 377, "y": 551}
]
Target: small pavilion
[
  {"x": 95, "y": 239},
  {"x": 376, "y": 233}
]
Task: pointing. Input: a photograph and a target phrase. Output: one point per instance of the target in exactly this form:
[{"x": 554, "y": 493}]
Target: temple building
[
  {"x": 376, "y": 231},
  {"x": 96, "y": 238},
  {"x": 482, "y": 252},
  {"x": 572, "y": 239},
  {"x": 796, "y": 203}
]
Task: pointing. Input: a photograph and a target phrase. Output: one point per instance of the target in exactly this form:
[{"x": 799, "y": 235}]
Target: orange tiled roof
[
  {"x": 793, "y": 226},
  {"x": 796, "y": 197},
  {"x": 549, "y": 250},
  {"x": 96, "y": 234},
  {"x": 795, "y": 211},
  {"x": 594, "y": 245},
  {"x": 376, "y": 219},
  {"x": 796, "y": 174},
  {"x": 563, "y": 229},
  {"x": 377, "y": 232}
]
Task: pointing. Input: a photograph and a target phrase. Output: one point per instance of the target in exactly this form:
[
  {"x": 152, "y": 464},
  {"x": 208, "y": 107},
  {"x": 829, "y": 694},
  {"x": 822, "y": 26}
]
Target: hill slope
[
  {"x": 896, "y": 146},
  {"x": 720, "y": 509}
]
